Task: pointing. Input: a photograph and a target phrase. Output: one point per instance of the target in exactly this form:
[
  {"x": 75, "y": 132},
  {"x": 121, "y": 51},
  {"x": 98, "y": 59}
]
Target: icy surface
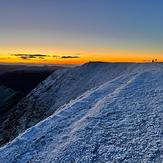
[
  {"x": 119, "y": 121},
  {"x": 59, "y": 89}
]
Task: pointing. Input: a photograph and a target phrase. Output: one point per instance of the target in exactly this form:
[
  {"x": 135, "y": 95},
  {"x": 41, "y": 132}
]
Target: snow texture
[
  {"x": 59, "y": 89},
  {"x": 118, "y": 121}
]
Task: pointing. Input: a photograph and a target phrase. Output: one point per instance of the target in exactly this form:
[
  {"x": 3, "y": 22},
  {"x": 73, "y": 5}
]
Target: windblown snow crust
[
  {"x": 60, "y": 88},
  {"x": 120, "y": 120}
]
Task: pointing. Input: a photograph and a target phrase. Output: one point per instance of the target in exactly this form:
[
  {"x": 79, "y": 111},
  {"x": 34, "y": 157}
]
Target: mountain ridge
[
  {"x": 117, "y": 121},
  {"x": 58, "y": 89}
]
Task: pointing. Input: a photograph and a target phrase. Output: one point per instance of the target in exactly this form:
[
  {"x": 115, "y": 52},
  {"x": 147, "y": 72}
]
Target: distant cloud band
[
  {"x": 31, "y": 56},
  {"x": 71, "y": 57},
  {"x": 43, "y": 56}
]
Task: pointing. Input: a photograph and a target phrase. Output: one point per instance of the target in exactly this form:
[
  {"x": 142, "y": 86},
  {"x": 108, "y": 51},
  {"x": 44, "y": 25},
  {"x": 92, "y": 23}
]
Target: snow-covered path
[{"x": 121, "y": 121}]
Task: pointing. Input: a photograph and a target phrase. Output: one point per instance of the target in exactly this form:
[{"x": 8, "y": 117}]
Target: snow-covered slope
[
  {"x": 121, "y": 120},
  {"x": 57, "y": 90}
]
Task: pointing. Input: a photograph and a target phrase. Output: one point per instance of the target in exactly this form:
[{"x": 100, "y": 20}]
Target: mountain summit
[{"x": 99, "y": 112}]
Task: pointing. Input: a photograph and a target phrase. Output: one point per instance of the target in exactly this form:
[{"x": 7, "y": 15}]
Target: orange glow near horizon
[
  {"x": 81, "y": 57},
  {"x": 56, "y": 32}
]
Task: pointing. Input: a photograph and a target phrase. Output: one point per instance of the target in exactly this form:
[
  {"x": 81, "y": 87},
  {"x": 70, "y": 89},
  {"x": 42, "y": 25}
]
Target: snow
[
  {"x": 120, "y": 120},
  {"x": 59, "y": 89}
]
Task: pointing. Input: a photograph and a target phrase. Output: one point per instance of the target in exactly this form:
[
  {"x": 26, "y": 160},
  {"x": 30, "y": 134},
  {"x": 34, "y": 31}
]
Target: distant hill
[{"x": 24, "y": 78}]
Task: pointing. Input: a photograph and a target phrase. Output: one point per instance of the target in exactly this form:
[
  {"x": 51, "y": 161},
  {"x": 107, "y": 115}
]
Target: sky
[{"x": 79, "y": 31}]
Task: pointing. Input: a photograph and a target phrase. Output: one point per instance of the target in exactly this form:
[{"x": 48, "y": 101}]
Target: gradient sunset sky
[{"x": 78, "y": 31}]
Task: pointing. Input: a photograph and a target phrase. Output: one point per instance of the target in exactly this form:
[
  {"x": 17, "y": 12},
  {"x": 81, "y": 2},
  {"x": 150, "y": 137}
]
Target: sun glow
[
  {"x": 80, "y": 58},
  {"x": 38, "y": 55}
]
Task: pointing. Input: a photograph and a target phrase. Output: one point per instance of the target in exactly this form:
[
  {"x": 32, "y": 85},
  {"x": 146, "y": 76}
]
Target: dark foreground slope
[
  {"x": 8, "y": 98},
  {"x": 16, "y": 81},
  {"x": 120, "y": 120}
]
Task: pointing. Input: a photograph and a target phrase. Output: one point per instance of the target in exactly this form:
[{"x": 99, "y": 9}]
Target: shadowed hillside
[
  {"x": 24, "y": 78},
  {"x": 15, "y": 83}
]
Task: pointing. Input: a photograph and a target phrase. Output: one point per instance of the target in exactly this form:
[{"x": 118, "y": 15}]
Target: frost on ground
[
  {"x": 119, "y": 121},
  {"x": 58, "y": 89}
]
